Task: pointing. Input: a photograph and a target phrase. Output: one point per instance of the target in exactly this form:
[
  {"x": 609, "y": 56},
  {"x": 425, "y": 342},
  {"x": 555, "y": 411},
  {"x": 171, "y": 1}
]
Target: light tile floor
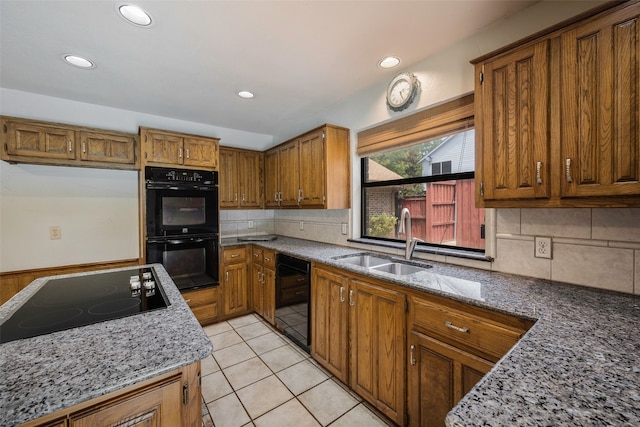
[{"x": 258, "y": 377}]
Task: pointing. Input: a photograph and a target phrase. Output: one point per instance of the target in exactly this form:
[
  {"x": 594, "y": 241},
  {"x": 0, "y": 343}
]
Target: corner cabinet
[
  {"x": 363, "y": 315},
  {"x": 165, "y": 148},
  {"x": 37, "y": 142},
  {"x": 558, "y": 115},
  {"x": 241, "y": 176},
  {"x": 310, "y": 171}
]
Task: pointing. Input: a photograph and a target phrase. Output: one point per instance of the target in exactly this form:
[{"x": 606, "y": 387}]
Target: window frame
[{"x": 440, "y": 120}]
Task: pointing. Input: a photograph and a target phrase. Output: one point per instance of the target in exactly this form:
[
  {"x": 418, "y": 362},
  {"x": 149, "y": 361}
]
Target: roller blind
[{"x": 425, "y": 125}]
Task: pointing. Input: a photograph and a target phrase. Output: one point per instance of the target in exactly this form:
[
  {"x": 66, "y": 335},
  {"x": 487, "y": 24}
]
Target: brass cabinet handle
[
  {"x": 568, "y": 170},
  {"x": 235, "y": 197},
  {"x": 351, "y": 303},
  {"x": 539, "y": 172},
  {"x": 299, "y": 195},
  {"x": 69, "y": 146},
  {"x": 243, "y": 199},
  {"x": 341, "y": 295},
  {"x": 227, "y": 276},
  {"x": 235, "y": 255},
  {"x": 84, "y": 147},
  {"x": 267, "y": 259},
  {"x": 187, "y": 153},
  {"x": 180, "y": 152},
  {"x": 412, "y": 359},
  {"x": 450, "y": 325}
]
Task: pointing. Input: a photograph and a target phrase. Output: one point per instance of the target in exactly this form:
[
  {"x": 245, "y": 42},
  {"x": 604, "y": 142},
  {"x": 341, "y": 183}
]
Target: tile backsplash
[
  {"x": 598, "y": 248},
  {"x": 592, "y": 247}
]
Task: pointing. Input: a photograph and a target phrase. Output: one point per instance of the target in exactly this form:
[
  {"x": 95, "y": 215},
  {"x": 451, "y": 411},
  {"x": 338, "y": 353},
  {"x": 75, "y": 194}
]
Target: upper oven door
[{"x": 177, "y": 211}]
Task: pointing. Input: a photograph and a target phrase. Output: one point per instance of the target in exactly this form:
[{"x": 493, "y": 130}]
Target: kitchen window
[{"x": 432, "y": 176}]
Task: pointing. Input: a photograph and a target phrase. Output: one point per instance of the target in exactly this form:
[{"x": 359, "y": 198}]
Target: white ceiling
[{"x": 298, "y": 57}]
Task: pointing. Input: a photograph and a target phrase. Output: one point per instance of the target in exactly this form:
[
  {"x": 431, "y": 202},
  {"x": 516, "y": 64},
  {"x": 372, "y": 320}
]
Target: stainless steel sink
[
  {"x": 398, "y": 268},
  {"x": 380, "y": 264},
  {"x": 364, "y": 260}
]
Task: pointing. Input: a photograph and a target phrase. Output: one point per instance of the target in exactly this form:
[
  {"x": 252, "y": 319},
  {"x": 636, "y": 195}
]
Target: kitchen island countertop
[
  {"x": 578, "y": 365},
  {"x": 46, "y": 373}
]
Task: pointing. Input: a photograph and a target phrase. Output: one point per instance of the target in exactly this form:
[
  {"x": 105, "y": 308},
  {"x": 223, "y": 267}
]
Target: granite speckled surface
[
  {"x": 43, "y": 374},
  {"x": 579, "y": 365}
]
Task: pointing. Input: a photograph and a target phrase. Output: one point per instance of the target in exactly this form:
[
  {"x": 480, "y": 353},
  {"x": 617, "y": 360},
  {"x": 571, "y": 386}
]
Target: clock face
[{"x": 401, "y": 91}]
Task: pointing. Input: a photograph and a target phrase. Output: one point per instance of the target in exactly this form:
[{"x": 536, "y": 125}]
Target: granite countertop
[
  {"x": 578, "y": 365},
  {"x": 43, "y": 374}
]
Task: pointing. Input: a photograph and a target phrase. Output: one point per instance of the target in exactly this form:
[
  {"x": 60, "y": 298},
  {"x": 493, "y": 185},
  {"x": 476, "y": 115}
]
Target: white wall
[{"x": 97, "y": 209}]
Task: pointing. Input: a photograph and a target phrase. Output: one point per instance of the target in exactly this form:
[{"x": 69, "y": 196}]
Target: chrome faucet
[{"x": 411, "y": 243}]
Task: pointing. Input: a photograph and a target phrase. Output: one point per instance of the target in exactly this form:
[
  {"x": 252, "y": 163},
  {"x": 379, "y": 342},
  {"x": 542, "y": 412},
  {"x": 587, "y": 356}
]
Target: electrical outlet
[
  {"x": 543, "y": 246},
  {"x": 251, "y": 225},
  {"x": 55, "y": 232},
  {"x": 301, "y": 225},
  {"x": 344, "y": 228}
]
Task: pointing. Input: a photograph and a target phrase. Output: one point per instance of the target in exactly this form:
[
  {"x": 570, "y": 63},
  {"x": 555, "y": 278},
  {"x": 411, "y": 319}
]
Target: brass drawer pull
[
  {"x": 341, "y": 295},
  {"x": 235, "y": 255},
  {"x": 412, "y": 359},
  {"x": 456, "y": 328}
]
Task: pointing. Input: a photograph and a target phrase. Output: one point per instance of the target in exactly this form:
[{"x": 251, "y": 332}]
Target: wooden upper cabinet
[
  {"x": 107, "y": 147},
  {"x": 200, "y": 152},
  {"x": 271, "y": 178},
  {"x": 167, "y": 148},
  {"x": 558, "y": 115},
  {"x": 310, "y": 171},
  {"x": 513, "y": 106},
  {"x": 312, "y": 183},
  {"x": 30, "y": 141},
  {"x": 241, "y": 174},
  {"x": 600, "y": 93}
]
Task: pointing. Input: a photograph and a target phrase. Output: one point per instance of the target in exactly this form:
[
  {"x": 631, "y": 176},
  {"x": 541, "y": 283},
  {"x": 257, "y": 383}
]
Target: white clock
[{"x": 401, "y": 91}]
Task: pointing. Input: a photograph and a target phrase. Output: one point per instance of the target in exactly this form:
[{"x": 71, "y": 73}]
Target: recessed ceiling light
[
  {"x": 389, "y": 62},
  {"x": 135, "y": 15},
  {"x": 78, "y": 61},
  {"x": 245, "y": 94}
]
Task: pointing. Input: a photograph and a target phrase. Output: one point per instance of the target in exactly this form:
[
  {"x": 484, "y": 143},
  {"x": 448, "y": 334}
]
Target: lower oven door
[{"x": 192, "y": 262}]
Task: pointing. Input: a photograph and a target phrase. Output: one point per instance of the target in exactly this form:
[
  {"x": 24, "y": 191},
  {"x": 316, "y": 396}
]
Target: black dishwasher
[{"x": 293, "y": 289}]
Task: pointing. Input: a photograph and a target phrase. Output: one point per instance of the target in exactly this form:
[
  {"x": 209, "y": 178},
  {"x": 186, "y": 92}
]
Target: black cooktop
[{"x": 83, "y": 300}]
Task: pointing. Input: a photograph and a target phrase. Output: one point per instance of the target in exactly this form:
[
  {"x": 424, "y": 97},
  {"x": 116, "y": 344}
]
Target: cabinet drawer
[
  {"x": 201, "y": 297},
  {"x": 454, "y": 325},
  {"x": 256, "y": 255},
  {"x": 206, "y": 313},
  {"x": 233, "y": 255},
  {"x": 269, "y": 258}
]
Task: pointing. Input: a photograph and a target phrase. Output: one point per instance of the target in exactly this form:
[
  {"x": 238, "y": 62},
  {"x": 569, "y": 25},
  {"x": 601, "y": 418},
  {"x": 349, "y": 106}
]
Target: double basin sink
[{"x": 375, "y": 263}]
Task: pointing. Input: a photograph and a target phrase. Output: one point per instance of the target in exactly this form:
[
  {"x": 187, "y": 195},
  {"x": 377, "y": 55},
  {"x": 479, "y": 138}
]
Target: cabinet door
[
  {"x": 329, "y": 313},
  {"x": 24, "y": 139},
  {"x": 271, "y": 175},
  {"x": 235, "y": 289},
  {"x": 289, "y": 174},
  {"x": 312, "y": 169},
  {"x": 513, "y": 111},
  {"x": 200, "y": 152},
  {"x": 269, "y": 295},
  {"x": 439, "y": 376},
  {"x": 161, "y": 148},
  {"x": 228, "y": 179},
  {"x": 600, "y": 113},
  {"x": 105, "y": 147},
  {"x": 377, "y": 330},
  {"x": 161, "y": 406},
  {"x": 257, "y": 288},
  {"x": 250, "y": 179}
]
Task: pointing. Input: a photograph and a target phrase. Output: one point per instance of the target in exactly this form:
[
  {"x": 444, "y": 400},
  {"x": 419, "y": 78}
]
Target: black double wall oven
[{"x": 182, "y": 224}]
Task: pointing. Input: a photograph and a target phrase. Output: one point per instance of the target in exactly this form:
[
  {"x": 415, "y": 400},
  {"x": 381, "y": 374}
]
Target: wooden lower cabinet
[
  {"x": 377, "y": 332},
  {"x": 329, "y": 325},
  {"x": 173, "y": 399},
  {"x": 234, "y": 287},
  {"x": 439, "y": 375},
  {"x": 358, "y": 334},
  {"x": 203, "y": 303},
  {"x": 263, "y": 283}
]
